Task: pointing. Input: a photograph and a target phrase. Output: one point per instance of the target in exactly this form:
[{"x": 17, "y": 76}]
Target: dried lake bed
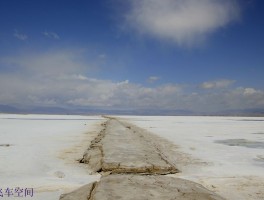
[{"x": 224, "y": 154}]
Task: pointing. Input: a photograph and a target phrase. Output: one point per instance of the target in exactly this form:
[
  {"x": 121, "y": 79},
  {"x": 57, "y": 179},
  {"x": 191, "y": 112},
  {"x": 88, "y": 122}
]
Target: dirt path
[{"x": 133, "y": 167}]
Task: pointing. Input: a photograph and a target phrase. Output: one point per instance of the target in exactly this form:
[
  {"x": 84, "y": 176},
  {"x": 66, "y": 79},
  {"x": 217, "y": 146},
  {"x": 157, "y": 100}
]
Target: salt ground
[
  {"x": 224, "y": 154},
  {"x": 40, "y": 152}
]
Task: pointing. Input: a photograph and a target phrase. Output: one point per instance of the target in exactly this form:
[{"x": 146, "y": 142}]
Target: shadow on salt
[{"x": 242, "y": 143}]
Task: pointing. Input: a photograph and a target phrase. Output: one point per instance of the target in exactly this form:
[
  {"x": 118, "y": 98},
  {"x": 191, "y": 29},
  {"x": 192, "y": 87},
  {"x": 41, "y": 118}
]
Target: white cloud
[
  {"x": 250, "y": 91},
  {"x": 153, "y": 79},
  {"x": 185, "y": 22},
  {"x": 49, "y": 64},
  {"x": 72, "y": 77},
  {"x": 218, "y": 84},
  {"x": 52, "y": 35},
  {"x": 61, "y": 78},
  {"x": 20, "y": 36}
]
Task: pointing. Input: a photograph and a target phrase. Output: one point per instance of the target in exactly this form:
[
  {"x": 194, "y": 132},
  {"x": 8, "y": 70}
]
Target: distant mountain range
[
  {"x": 100, "y": 111},
  {"x": 9, "y": 109}
]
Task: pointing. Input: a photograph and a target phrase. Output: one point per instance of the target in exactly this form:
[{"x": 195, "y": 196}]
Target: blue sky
[{"x": 202, "y": 55}]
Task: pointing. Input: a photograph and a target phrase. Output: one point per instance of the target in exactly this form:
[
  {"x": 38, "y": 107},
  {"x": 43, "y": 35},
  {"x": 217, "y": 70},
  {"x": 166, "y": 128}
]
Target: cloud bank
[
  {"x": 185, "y": 22},
  {"x": 63, "y": 78}
]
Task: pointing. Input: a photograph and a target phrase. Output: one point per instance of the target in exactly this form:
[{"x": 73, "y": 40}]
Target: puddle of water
[
  {"x": 242, "y": 143},
  {"x": 251, "y": 120},
  {"x": 5, "y": 145}
]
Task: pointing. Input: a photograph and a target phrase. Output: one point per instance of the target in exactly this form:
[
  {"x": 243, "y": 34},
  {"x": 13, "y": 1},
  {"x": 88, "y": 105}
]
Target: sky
[{"x": 199, "y": 55}]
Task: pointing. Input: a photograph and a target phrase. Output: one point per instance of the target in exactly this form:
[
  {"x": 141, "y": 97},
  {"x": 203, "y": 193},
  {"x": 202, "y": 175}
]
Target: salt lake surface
[
  {"x": 225, "y": 154},
  {"x": 40, "y": 152}
]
